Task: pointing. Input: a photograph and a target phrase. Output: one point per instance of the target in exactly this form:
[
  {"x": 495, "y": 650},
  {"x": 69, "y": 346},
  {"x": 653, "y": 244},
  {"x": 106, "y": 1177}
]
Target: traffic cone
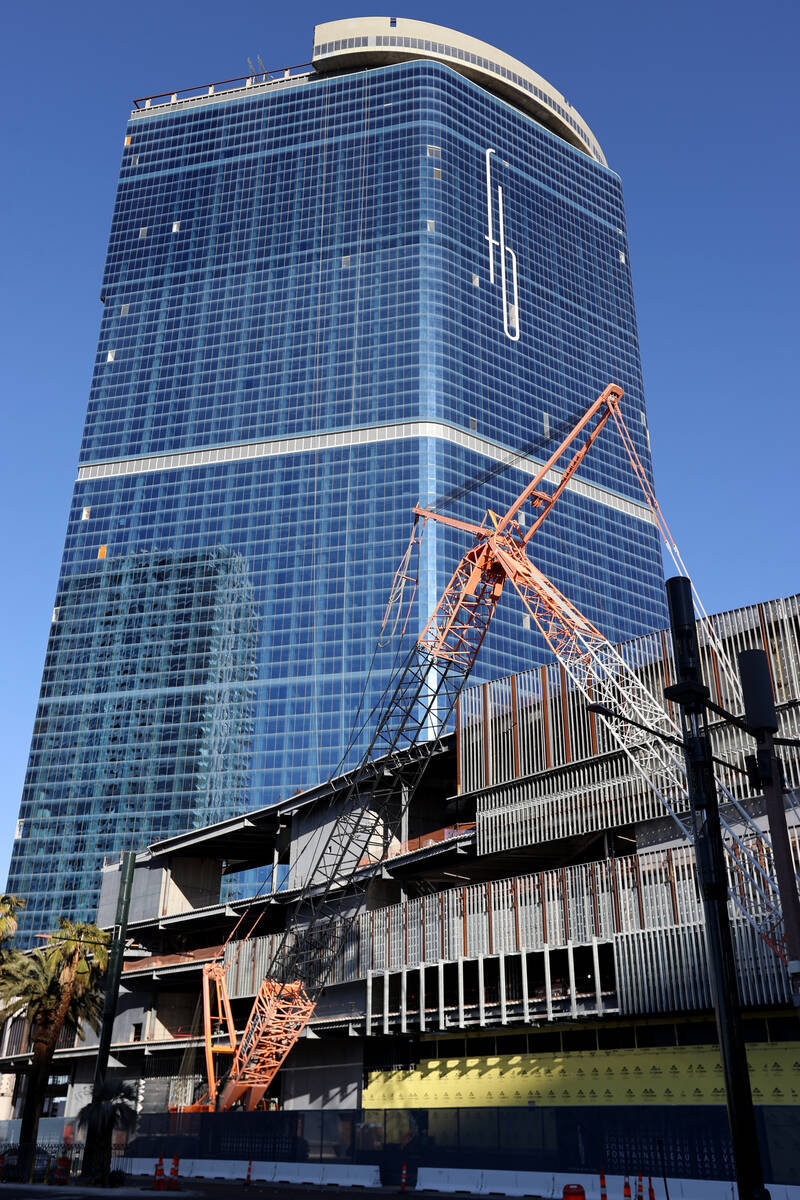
[
  {"x": 172, "y": 1185},
  {"x": 639, "y": 1188},
  {"x": 651, "y": 1191},
  {"x": 626, "y": 1190},
  {"x": 62, "y": 1170},
  {"x": 159, "y": 1182},
  {"x": 603, "y": 1195},
  {"x": 249, "y": 1176},
  {"x": 403, "y": 1175}
]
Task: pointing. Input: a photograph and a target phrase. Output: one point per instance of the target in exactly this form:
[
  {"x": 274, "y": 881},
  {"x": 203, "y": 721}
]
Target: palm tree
[
  {"x": 9, "y": 907},
  {"x": 112, "y": 1107},
  {"x": 53, "y": 986}
]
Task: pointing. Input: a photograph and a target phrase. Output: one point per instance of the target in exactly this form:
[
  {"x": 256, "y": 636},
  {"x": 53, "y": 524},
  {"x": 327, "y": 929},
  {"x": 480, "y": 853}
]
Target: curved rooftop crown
[{"x": 375, "y": 41}]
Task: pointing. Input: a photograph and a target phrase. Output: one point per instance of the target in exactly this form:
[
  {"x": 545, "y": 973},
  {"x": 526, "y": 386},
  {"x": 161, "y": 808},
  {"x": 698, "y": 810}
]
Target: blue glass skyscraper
[{"x": 327, "y": 295}]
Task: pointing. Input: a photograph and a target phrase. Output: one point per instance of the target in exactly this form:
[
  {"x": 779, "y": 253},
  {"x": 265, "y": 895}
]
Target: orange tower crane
[{"x": 409, "y": 731}]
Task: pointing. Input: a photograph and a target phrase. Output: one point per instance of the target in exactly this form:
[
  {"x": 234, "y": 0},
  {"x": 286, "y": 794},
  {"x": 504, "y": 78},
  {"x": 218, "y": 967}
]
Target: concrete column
[
  {"x": 598, "y": 990},
  {"x": 385, "y": 1001},
  {"x": 441, "y": 994},
  {"x": 548, "y": 987},
  {"x": 573, "y": 995},
  {"x": 404, "y": 1001},
  {"x": 275, "y": 864}
]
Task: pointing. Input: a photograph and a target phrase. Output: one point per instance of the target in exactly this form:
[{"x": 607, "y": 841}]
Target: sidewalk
[{"x": 200, "y": 1189}]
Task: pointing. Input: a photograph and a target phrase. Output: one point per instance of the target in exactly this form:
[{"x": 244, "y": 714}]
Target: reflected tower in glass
[{"x": 399, "y": 274}]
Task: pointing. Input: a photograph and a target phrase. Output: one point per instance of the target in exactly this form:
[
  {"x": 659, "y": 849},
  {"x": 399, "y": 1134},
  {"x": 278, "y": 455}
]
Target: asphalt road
[{"x": 196, "y": 1187}]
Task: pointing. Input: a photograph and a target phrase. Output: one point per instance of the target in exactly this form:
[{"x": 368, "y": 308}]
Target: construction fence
[{"x": 677, "y": 1142}]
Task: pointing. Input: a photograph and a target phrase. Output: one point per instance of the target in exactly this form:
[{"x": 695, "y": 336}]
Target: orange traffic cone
[
  {"x": 172, "y": 1185},
  {"x": 639, "y": 1188},
  {"x": 159, "y": 1182},
  {"x": 249, "y": 1176},
  {"x": 603, "y": 1194},
  {"x": 626, "y": 1190},
  {"x": 62, "y": 1170},
  {"x": 403, "y": 1176},
  {"x": 651, "y": 1191}
]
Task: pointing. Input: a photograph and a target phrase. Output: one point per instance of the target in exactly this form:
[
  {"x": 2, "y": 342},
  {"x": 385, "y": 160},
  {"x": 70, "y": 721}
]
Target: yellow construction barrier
[{"x": 666, "y": 1075}]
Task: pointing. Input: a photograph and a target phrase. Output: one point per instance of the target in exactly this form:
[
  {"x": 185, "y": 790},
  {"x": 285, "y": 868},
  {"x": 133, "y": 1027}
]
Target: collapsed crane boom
[
  {"x": 409, "y": 731},
  {"x": 407, "y": 734}
]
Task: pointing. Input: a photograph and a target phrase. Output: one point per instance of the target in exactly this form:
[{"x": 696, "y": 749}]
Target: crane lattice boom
[{"x": 409, "y": 731}]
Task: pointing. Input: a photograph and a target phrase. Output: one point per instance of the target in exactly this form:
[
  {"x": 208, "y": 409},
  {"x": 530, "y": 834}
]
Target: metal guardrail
[
  {"x": 276, "y": 75},
  {"x": 46, "y": 1160}
]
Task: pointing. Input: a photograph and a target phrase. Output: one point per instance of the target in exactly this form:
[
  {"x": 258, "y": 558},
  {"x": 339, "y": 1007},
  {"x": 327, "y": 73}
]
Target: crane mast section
[
  {"x": 418, "y": 711},
  {"x": 599, "y": 671},
  {"x": 408, "y": 733}
]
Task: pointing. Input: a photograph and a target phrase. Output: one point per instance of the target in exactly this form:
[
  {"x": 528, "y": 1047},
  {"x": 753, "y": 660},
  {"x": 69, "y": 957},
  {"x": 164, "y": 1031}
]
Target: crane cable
[
  {"x": 676, "y": 556},
  {"x": 539, "y": 443},
  {"x": 404, "y": 576}
]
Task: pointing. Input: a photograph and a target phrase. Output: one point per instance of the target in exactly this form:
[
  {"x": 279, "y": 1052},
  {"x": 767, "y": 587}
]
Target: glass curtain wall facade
[{"x": 301, "y": 338}]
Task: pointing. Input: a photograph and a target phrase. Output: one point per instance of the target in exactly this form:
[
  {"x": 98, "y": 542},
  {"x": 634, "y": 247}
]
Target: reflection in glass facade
[{"x": 300, "y": 339}]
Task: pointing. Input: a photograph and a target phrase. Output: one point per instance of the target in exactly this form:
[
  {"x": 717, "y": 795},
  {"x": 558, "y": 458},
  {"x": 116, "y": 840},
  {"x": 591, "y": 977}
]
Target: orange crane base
[{"x": 280, "y": 1013}]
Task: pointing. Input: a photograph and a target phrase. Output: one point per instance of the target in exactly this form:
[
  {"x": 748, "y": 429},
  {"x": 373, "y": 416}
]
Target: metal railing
[{"x": 276, "y": 75}]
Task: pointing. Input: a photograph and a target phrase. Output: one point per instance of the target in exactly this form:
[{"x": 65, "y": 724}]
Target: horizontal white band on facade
[{"x": 367, "y": 435}]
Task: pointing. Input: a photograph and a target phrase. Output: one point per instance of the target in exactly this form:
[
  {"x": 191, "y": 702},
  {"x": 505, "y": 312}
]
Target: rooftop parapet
[{"x": 375, "y": 41}]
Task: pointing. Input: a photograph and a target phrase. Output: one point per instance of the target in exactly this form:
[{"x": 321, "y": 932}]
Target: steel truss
[
  {"x": 369, "y": 816},
  {"x": 409, "y": 731}
]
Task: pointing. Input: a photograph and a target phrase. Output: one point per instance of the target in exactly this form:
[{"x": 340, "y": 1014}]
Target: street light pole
[
  {"x": 114, "y": 972},
  {"x": 94, "y": 1150},
  {"x": 691, "y": 694},
  {"x": 767, "y": 773}
]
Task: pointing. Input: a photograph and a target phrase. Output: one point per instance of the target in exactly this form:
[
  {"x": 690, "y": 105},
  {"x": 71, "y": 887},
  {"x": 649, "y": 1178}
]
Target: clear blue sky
[{"x": 695, "y": 103}]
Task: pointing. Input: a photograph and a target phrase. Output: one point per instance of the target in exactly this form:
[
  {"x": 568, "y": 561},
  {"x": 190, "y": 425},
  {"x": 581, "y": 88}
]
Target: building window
[
  {"x": 437, "y": 172},
  {"x": 345, "y": 260},
  {"x": 393, "y": 22},
  {"x": 134, "y": 160},
  {"x": 434, "y": 152},
  {"x": 476, "y": 282},
  {"x": 431, "y": 226},
  {"x": 176, "y": 226},
  {"x": 101, "y": 551},
  {"x": 546, "y": 424},
  {"x": 111, "y": 355},
  {"x": 143, "y": 231},
  {"x": 124, "y": 310},
  {"x": 473, "y": 424},
  {"x": 526, "y": 621},
  {"x": 136, "y": 1031},
  {"x": 54, "y": 617},
  {"x": 86, "y": 512},
  {"x": 622, "y": 256},
  {"x": 128, "y": 140}
]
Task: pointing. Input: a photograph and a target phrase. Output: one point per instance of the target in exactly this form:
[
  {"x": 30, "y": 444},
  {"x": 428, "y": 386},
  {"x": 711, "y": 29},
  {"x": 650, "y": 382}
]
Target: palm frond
[{"x": 112, "y": 1107}]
